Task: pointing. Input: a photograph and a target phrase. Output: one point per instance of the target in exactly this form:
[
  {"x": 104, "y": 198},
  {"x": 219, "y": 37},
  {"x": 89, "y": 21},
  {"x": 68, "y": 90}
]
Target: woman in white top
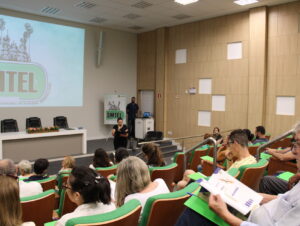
[
  {"x": 133, "y": 182},
  {"x": 89, "y": 191}
]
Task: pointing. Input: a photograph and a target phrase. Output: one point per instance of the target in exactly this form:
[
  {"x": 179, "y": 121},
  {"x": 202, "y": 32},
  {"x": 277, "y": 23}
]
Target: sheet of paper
[
  {"x": 181, "y": 56},
  {"x": 285, "y": 105},
  {"x": 204, "y": 118},
  {"x": 234, "y": 51},
  {"x": 218, "y": 102},
  {"x": 205, "y": 85}
]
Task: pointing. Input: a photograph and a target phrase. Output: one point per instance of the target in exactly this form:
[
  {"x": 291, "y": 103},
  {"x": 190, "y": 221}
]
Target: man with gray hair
[
  {"x": 273, "y": 185},
  {"x": 7, "y": 167}
]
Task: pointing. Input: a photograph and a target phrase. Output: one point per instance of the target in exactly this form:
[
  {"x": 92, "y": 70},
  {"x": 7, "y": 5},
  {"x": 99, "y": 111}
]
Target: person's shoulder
[{"x": 162, "y": 185}]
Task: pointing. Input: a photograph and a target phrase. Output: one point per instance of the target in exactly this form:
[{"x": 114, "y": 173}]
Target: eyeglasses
[{"x": 66, "y": 186}]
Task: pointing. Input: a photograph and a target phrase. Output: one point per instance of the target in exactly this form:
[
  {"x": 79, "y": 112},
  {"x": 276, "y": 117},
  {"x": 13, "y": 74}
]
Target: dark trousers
[
  {"x": 131, "y": 127},
  {"x": 120, "y": 142},
  {"x": 273, "y": 185},
  {"x": 190, "y": 218}
]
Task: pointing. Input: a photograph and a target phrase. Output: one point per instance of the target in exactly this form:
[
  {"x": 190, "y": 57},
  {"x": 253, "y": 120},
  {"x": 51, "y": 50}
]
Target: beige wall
[
  {"x": 116, "y": 74},
  {"x": 269, "y": 67}
]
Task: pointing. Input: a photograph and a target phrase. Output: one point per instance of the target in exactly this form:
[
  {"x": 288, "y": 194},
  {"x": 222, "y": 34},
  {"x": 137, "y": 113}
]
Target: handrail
[
  {"x": 181, "y": 138},
  {"x": 272, "y": 142},
  {"x": 201, "y": 144}
]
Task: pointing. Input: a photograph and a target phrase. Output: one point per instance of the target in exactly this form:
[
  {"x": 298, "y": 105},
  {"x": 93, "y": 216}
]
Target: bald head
[{"x": 7, "y": 167}]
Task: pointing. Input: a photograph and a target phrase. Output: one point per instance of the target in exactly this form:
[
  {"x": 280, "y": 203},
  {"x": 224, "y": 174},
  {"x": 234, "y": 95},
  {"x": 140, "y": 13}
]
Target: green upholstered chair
[
  {"x": 38, "y": 208},
  {"x": 61, "y": 179},
  {"x": 251, "y": 174},
  {"x": 165, "y": 172},
  {"x": 179, "y": 160},
  {"x": 276, "y": 165},
  {"x": 65, "y": 204},
  {"x": 195, "y": 157},
  {"x": 48, "y": 183},
  {"x": 164, "y": 209},
  {"x": 126, "y": 215},
  {"x": 285, "y": 176},
  {"x": 106, "y": 171}
]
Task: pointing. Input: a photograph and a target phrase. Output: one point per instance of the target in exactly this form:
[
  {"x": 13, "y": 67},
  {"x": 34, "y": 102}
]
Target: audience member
[
  {"x": 132, "y": 109},
  {"x": 10, "y": 207},
  {"x": 153, "y": 155},
  {"x": 260, "y": 136},
  {"x": 121, "y": 154},
  {"x": 40, "y": 168},
  {"x": 67, "y": 164},
  {"x": 25, "y": 169},
  {"x": 120, "y": 134},
  {"x": 271, "y": 184},
  {"x": 216, "y": 135},
  {"x": 7, "y": 167},
  {"x": 133, "y": 182},
  {"x": 275, "y": 210},
  {"x": 237, "y": 151},
  {"x": 89, "y": 191},
  {"x": 100, "y": 159},
  {"x": 249, "y": 135}
]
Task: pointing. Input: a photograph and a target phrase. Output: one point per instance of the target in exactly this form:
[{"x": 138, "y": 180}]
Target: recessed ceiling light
[
  {"x": 245, "y": 2},
  {"x": 185, "y": 2}
]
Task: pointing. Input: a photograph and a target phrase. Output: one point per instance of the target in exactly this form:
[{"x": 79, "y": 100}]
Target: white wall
[{"x": 117, "y": 73}]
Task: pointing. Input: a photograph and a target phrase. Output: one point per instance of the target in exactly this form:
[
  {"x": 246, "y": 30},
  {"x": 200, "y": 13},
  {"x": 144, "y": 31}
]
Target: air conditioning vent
[
  {"x": 85, "y": 5},
  {"x": 50, "y": 10},
  {"x": 142, "y": 5},
  {"x": 131, "y": 16},
  {"x": 181, "y": 16},
  {"x": 135, "y": 28},
  {"x": 98, "y": 20}
]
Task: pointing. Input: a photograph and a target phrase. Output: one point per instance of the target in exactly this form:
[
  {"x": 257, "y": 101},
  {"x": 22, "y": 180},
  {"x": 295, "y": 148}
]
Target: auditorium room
[{"x": 149, "y": 112}]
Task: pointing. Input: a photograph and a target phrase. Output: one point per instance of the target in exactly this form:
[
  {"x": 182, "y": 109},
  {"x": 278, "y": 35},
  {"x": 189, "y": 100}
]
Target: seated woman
[
  {"x": 153, "y": 155},
  {"x": 121, "y": 153},
  {"x": 40, "y": 168},
  {"x": 100, "y": 159},
  {"x": 25, "y": 169},
  {"x": 133, "y": 182},
  {"x": 67, "y": 164},
  {"x": 10, "y": 208},
  {"x": 216, "y": 135},
  {"x": 89, "y": 191}
]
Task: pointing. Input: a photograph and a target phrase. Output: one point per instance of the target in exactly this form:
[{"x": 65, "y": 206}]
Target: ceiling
[{"x": 131, "y": 15}]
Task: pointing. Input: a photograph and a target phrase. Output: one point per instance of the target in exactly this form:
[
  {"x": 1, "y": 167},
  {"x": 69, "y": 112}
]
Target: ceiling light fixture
[
  {"x": 185, "y": 2},
  {"x": 245, "y": 2}
]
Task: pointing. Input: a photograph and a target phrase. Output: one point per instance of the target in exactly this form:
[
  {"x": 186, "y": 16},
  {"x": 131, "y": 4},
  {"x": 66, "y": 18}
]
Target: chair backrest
[
  {"x": 154, "y": 135},
  {"x": 61, "y": 122},
  {"x": 106, "y": 171},
  {"x": 33, "y": 122},
  {"x": 48, "y": 183},
  {"x": 65, "y": 204},
  {"x": 208, "y": 168},
  {"x": 9, "y": 125},
  {"x": 61, "y": 179},
  {"x": 167, "y": 173},
  {"x": 164, "y": 209},
  {"x": 196, "y": 155},
  {"x": 251, "y": 174},
  {"x": 252, "y": 149},
  {"x": 179, "y": 160},
  {"x": 38, "y": 208},
  {"x": 276, "y": 165},
  {"x": 284, "y": 143},
  {"x": 126, "y": 215}
]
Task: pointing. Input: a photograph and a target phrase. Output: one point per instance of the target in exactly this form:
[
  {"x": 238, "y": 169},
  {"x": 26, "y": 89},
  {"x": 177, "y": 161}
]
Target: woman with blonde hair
[
  {"x": 153, "y": 155},
  {"x": 10, "y": 208},
  {"x": 68, "y": 163},
  {"x": 133, "y": 182}
]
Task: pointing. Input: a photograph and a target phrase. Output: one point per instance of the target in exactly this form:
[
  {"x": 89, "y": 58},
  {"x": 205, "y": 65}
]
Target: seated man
[
  {"x": 271, "y": 184},
  {"x": 275, "y": 210},
  {"x": 260, "y": 136},
  {"x": 238, "y": 147},
  {"x": 40, "y": 169},
  {"x": 7, "y": 167}
]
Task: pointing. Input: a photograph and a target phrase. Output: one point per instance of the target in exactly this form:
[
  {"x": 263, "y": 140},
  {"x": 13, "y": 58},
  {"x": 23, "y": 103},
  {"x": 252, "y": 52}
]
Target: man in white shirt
[{"x": 7, "y": 167}]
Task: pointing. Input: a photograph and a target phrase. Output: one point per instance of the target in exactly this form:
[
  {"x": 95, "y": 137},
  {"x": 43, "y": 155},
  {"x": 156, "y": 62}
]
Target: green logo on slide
[
  {"x": 22, "y": 83},
  {"x": 114, "y": 114}
]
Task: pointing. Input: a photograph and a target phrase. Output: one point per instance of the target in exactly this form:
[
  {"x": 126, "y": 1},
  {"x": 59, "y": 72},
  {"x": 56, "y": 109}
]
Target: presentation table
[{"x": 21, "y": 145}]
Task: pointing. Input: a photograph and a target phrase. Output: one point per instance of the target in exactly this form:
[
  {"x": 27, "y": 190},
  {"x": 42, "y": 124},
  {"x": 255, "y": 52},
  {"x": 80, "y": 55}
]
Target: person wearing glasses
[
  {"x": 7, "y": 167},
  {"x": 90, "y": 192},
  {"x": 283, "y": 209}
]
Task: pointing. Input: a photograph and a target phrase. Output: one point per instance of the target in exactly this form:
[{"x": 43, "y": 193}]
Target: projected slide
[{"x": 41, "y": 64}]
